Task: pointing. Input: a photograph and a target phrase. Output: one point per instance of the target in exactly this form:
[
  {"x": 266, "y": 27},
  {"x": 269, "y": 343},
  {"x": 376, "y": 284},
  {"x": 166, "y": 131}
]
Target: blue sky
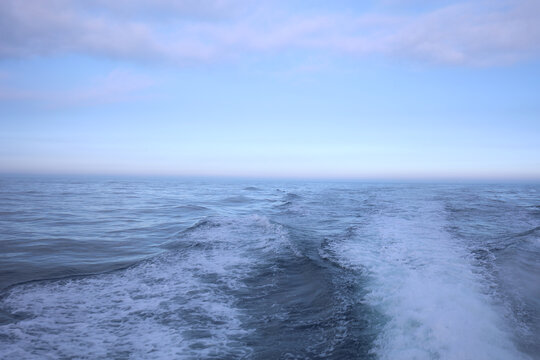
[{"x": 387, "y": 89}]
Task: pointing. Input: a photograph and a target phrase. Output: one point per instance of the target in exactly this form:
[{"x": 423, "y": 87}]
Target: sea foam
[
  {"x": 434, "y": 302},
  {"x": 177, "y": 304}
]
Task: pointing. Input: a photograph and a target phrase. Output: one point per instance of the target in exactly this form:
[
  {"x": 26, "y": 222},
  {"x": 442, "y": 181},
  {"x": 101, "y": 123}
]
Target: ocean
[{"x": 173, "y": 268}]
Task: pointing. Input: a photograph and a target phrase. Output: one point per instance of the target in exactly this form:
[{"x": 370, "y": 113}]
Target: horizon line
[{"x": 365, "y": 178}]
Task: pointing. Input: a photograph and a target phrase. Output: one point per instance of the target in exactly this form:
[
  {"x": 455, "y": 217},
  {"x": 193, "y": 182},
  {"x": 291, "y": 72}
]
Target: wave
[
  {"x": 240, "y": 199},
  {"x": 292, "y": 196},
  {"x": 179, "y": 303},
  {"x": 191, "y": 208},
  {"x": 434, "y": 303},
  {"x": 252, "y": 188},
  {"x": 532, "y": 231}
]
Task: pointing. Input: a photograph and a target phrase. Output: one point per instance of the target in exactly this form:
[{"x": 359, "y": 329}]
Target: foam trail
[
  {"x": 424, "y": 285},
  {"x": 177, "y": 305}
]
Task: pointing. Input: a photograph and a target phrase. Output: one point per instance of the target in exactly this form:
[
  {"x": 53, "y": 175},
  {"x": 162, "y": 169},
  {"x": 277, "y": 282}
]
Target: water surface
[{"x": 134, "y": 268}]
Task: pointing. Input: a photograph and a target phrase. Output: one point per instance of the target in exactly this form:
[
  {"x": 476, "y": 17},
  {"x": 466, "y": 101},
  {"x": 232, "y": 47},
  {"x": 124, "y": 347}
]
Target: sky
[{"x": 388, "y": 89}]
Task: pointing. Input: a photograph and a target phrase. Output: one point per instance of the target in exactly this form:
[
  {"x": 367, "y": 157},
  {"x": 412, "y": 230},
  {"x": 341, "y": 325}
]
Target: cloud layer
[
  {"x": 478, "y": 33},
  {"x": 116, "y": 86}
]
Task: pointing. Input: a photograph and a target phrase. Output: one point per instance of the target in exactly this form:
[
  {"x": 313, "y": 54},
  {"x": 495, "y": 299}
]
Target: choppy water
[{"x": 94, "y": 268}]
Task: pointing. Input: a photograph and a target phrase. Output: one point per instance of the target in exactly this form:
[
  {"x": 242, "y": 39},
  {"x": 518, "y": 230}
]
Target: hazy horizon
[{"x": 277, "y": 178}]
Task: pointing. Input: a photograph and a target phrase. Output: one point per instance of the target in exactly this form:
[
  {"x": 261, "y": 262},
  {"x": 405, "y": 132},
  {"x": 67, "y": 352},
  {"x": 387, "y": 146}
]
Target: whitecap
[
  {"x": 180, "y": 304},
  {"x": 434, "y": 302}
]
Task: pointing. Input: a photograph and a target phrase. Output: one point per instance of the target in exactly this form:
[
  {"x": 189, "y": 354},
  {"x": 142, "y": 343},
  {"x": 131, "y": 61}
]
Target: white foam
[
  {"x": 424, "y": 285},
  {"x": 177, "y": 305}
]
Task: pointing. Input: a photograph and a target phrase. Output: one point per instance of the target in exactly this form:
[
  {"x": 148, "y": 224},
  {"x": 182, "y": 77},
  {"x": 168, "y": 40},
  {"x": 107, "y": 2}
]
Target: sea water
[{"x": 166, "y": 268}]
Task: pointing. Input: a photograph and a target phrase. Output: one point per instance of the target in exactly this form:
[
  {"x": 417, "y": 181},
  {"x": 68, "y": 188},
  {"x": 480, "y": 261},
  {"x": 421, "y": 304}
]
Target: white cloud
[
  {"x": 472, "y": 33},
  {"x": 116, "y": 86}
]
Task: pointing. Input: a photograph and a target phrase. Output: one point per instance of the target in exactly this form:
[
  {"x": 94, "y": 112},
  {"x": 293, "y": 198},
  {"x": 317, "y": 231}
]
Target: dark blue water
[{"x": 132, "y": 268}]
